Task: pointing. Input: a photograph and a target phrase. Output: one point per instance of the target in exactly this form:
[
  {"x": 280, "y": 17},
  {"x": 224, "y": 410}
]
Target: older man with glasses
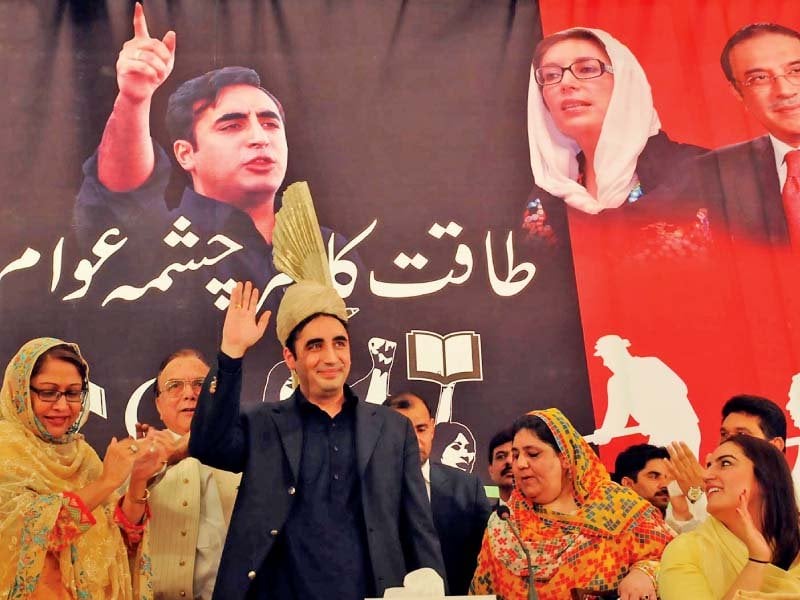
[{"x": 191, "y": 503}]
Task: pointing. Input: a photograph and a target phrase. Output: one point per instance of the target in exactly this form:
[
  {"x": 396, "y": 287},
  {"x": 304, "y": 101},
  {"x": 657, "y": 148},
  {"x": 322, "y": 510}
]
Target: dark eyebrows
[
  {"x": 719, "y": 458},
  {"x": 577, "y": 59},
  {"x": 755, "y": 70},
  {"x": 531, "y": 449},
  {"x": 269, "y": 114},
  {"x": 69, "y": 385},
  {"x": 313, "y": 341},
  {"x": 230, "y": 117},
  {"x": 790, "y": 64},
  {"x": 237, "y": 116},
  {"x": 319, "y": 340}
]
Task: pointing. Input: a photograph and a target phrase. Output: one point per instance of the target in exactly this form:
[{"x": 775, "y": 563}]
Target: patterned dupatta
[
  {"x": 595, "y": 546},
  {"x": 605, "y": 509},
  {"x": 35, "y": 470}
]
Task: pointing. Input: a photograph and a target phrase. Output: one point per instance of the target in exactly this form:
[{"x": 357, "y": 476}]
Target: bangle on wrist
[
  {"x": 144, "y": 499},
  {"x": 760, "y": 562}
]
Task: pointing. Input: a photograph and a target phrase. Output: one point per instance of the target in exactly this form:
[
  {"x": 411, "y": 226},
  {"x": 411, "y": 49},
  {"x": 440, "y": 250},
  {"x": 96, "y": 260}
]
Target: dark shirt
[
  {"x": 655, "y": 221},
  {"x": 142, "y": 215},
  {"x": 322, "y": 551},
  {"x": 210, "y": 217}
]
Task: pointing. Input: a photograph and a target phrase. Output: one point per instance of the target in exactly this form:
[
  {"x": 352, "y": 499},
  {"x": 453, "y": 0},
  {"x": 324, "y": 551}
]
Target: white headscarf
[{"x": 630, "y": 120}]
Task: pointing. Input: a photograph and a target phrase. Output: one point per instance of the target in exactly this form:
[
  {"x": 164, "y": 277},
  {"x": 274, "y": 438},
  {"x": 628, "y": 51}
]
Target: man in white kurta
[{"x": 191, "y": 503}]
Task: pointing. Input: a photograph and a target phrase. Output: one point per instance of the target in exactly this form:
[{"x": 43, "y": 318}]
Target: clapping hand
[
  {"x": 151, "y": 459},
  {"x": 131, "y": 458},
  {"x": 684, "y": 467}
]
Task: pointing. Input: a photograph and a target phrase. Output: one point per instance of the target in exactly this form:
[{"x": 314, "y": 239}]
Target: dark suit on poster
[
  {"x": 742, "y": 181},
  {"x": 460, "y": 512},
  {"x": 660, "y": 169},
  {"x": 266, "y": 444}
]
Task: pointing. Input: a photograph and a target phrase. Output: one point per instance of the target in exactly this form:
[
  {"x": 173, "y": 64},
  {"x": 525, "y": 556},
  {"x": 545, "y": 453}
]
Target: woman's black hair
[
  {"x": 780, "y": 518},
  {"x": 63, "y": 352},
  {"x": 445, "y": 434},
  {"x": 538, "y": 427}
]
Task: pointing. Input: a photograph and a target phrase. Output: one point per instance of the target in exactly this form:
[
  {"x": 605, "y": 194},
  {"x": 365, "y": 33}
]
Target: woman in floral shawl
[
  {"x": 64, "y": 530},
  {"x": 580, "y": 529}
]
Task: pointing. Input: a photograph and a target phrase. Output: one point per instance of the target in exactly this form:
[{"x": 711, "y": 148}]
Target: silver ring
[{"x": 133, "y": 448}]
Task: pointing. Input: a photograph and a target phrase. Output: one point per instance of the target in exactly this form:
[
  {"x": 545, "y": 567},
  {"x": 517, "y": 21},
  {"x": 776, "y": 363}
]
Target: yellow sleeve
[{"x": 681, "y": 575}]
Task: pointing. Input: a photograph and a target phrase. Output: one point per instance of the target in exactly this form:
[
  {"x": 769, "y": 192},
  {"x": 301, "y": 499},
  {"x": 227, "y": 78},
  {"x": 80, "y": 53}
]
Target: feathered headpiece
[{"x": 298, "y": 251}]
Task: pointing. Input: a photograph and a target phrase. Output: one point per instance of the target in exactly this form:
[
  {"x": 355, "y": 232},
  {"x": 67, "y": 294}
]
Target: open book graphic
[{"x": 444, "y": 359}]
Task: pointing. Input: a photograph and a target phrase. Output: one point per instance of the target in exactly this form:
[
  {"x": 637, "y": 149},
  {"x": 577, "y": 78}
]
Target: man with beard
[{"x": 643, "y": 468}]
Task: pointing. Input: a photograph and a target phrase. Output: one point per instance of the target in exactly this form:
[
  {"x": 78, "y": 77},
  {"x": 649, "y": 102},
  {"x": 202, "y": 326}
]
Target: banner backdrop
[
  {"x": 711, "y": 291},
  {"x": 470, "y": 284}
]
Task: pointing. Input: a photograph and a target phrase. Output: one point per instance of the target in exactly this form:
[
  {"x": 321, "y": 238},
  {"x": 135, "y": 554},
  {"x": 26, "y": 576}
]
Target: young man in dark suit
[{"x": 332, "y": 502}]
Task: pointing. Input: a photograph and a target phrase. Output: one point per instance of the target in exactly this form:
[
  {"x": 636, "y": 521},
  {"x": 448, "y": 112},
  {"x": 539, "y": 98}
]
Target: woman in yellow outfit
[
  {"x": 64, "y": 530},
  {"x": 748, "y": 546}
]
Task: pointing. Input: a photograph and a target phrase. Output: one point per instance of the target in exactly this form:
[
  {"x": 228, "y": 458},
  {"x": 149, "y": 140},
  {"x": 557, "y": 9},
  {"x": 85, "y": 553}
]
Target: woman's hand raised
[{"x": 747, "y": 530}]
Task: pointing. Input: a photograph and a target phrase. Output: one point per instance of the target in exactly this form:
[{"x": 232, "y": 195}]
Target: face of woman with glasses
[
  {"x": 57, "y": 411},
  {"x": 578, "y": 106},
  {"x": 179, "y": 385}
]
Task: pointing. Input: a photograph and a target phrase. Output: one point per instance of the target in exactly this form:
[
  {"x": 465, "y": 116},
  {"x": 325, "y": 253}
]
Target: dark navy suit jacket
[
  {"x": 460, "y": 512},
  {"x": 742, "y": 181},
  {"x": 265, "y": 444}
]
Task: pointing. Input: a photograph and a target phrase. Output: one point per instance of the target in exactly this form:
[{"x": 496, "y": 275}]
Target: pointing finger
[{"x": 139, "y": 22}]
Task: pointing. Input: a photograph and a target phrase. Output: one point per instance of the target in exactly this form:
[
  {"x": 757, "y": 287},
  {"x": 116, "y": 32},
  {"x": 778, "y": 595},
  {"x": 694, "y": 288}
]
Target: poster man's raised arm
[{"x": 125, "y": 156}]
